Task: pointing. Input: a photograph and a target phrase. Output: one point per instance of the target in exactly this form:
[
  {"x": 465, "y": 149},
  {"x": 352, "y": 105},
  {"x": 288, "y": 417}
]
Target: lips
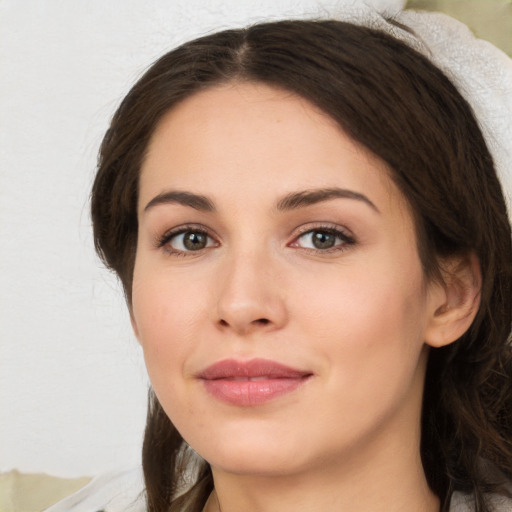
[{"x": 249, "y": 383}]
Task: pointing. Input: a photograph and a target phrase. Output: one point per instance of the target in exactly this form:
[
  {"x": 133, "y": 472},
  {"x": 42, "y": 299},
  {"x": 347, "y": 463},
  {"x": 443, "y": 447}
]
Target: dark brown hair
[{"x": 391, "y": 99}]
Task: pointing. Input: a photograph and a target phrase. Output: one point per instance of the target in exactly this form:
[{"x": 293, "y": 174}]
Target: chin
[
  {"x": 256, "y": 462},
  {"x": 257, "y": 453}
]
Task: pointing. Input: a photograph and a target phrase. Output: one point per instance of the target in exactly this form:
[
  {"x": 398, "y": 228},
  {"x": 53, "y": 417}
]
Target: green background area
[{"x": 488, "y": 19}]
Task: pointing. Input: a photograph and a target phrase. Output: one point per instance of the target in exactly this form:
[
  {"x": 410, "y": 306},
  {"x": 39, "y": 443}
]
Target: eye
[
  {"x": 186, "y": 240},
  {"x": 323, "y": 239}
]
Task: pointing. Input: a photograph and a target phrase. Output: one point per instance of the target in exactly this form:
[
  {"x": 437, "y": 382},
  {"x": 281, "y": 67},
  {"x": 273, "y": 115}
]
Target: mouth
[{"x": 250, "y": 383}]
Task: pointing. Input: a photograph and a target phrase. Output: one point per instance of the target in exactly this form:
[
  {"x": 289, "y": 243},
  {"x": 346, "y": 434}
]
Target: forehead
[{"x": 236, "y": 139}]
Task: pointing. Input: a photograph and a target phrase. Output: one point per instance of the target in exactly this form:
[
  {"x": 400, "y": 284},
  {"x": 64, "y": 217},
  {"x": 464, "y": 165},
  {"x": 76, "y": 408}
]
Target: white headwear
[{"x": 481, "y": 72}]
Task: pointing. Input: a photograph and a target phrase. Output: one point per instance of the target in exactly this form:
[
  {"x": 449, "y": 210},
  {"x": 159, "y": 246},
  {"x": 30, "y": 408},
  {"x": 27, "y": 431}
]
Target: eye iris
[
  {"x": 323, "y": 240},
  {"x": 194, "y": 241}
]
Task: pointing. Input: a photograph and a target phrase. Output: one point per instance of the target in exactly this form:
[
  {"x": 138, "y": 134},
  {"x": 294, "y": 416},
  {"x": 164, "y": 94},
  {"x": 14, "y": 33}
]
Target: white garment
[
  {"x": 124, "y": 492},
  {"x": 119, "y": 491}
]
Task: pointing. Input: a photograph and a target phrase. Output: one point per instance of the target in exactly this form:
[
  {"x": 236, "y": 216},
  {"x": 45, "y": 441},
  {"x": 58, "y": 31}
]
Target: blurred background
[{"x": 488, "y": 19}]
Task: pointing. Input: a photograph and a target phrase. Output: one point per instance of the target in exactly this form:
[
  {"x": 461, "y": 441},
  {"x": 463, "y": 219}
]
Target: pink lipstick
[{"x": 248, "y": 383}]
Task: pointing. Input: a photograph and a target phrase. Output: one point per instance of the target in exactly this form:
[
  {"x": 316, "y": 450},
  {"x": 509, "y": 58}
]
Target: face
[{"x": 278, "y": 294}]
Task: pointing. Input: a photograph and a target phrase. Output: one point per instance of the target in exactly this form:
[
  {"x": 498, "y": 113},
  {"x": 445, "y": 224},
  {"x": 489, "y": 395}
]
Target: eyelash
[
  {"x": 163, "y": 242},
  {"x": 346, "y": 239}
]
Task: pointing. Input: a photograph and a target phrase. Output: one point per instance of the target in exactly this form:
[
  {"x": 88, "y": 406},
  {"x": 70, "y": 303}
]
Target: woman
[{"x": 315, "y": 251}]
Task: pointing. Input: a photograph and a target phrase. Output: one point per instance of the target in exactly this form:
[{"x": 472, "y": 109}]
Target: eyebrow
[
  {"x": 198, "y": 202},
  {"x": 292, "y": 201},
  {"x": 309, "y": 197}
]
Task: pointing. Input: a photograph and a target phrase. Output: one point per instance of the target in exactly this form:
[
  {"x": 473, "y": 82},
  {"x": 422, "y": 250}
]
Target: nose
[{"x": 251, "y": 297}]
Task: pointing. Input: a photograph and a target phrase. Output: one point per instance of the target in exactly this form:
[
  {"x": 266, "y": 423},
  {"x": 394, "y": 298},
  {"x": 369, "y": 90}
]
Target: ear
[{"x": 454, "y": 302}]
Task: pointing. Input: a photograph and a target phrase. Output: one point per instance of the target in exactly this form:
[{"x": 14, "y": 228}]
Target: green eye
[
  {"x": 323, "y": 239},
  {"x": 188, "y": 241},
  {"x": 194, "y": 241}
]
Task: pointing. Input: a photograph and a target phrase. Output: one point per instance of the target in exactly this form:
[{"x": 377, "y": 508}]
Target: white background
[{"x": 72, "y": 382}]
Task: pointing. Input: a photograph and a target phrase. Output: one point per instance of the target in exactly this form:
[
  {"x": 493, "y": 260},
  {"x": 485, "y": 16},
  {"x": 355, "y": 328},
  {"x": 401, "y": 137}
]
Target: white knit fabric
[{"x": 482, "y": 74}]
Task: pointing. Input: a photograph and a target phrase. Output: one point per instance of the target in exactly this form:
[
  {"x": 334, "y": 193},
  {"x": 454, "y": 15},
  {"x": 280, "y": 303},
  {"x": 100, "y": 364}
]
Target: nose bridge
[{"x": 249, "y": 296}]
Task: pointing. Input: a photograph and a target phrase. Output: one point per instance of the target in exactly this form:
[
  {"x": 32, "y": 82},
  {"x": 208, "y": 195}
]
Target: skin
[{"x": 359, "y": 316}]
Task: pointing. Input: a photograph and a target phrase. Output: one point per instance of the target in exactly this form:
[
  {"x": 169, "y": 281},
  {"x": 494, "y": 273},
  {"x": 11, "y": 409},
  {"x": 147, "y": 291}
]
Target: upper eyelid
[
  {"x": 326, "y": 226},
  {"x": 345, "y": 235},
  {"x": 166, "y": 236},
  {"x": 183, "y": 228},
  {"x": 162, "y": 239}
]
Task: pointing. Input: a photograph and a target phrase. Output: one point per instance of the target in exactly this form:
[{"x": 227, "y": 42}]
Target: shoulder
[{"x": 119, "y": 491}]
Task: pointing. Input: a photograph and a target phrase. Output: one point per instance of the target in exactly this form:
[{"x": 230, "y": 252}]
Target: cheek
[
  {"x": 368, "y": 323},
  {"x": 170, "y": 318},
  {"x": 369, "y": 337},
  {"x": 166, "y": 314}
]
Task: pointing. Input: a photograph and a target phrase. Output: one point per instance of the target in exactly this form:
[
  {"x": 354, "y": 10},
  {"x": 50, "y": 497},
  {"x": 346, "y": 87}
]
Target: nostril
[{"x": 242, "y": 324}]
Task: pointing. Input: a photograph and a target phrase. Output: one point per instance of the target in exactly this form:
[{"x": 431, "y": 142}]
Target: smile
[{"x": 250, "y": 383}]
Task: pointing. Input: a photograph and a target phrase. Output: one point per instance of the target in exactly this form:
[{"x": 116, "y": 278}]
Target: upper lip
[{"x": 255, "y": 368}]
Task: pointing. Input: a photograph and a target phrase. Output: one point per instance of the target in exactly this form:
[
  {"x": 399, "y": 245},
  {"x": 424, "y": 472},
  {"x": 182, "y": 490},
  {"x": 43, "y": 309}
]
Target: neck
[{"x": 375, "y": 482}]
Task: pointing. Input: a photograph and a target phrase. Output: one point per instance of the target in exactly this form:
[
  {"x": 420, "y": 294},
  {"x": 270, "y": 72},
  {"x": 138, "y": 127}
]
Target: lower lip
[{"x": 251, "y": 392}]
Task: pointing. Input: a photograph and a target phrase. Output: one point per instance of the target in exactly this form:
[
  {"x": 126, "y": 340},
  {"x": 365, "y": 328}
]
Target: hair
[{"x": 388, "y": 97}]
